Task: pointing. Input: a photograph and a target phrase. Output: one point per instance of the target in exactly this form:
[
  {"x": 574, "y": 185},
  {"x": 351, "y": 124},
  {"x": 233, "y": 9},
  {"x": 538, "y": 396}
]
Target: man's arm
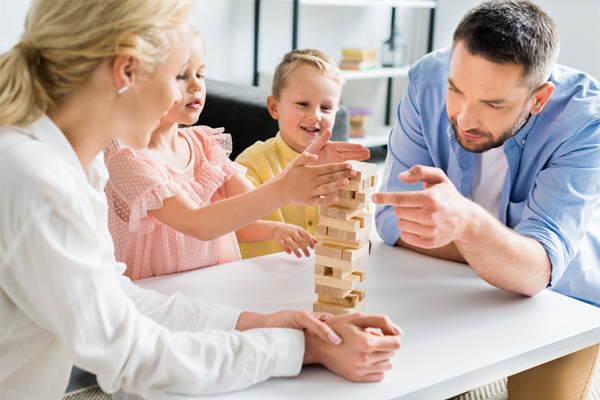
[
  {"x": 447, "y": 252},
  {"x": 439, "y": 218}
]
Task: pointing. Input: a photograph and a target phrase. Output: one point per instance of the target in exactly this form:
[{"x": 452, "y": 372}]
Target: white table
[{"x": 460, "y": 332}]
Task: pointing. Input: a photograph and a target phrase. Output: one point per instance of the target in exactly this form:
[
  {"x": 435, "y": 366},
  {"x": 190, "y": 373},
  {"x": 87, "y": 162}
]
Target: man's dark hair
[{"x": 511, "y": 31}]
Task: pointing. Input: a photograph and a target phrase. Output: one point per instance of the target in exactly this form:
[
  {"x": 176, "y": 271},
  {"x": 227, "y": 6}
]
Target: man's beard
[{"x": 492, "y": 143}]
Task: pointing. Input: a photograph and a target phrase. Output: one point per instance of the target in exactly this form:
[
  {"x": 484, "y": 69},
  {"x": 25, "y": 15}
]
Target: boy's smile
[{"x": 306, "y": 107}]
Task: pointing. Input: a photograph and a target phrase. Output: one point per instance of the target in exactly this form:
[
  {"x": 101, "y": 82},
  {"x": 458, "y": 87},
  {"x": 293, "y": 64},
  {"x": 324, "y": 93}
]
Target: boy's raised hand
[{"x": 336, "y": 152}]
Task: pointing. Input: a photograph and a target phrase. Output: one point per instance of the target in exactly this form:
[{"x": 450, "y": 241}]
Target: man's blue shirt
[{"x": 552, "y": 189}]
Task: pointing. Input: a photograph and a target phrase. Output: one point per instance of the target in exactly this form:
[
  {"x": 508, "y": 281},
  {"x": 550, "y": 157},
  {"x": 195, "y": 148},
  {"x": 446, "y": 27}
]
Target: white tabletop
[{"x": 460, "y": 332}]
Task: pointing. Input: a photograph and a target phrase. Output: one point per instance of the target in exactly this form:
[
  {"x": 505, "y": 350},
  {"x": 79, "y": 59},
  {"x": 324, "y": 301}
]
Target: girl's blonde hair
[
  {"x": 296, "y": 58},
  {"x": 65, "y": 41}
]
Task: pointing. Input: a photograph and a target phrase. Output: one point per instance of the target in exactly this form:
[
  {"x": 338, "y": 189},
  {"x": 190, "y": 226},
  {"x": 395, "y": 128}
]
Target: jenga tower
[{"x": 344, "y": 229}]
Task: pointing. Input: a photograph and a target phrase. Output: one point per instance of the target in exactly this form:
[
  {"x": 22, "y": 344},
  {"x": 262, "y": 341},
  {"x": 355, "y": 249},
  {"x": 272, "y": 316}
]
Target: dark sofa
[{"x": 242, "y": 111}]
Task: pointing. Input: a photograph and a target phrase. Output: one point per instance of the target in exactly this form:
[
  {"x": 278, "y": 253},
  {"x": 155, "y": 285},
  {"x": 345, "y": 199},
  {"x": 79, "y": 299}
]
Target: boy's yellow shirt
[{"x": 265, "y": 160}]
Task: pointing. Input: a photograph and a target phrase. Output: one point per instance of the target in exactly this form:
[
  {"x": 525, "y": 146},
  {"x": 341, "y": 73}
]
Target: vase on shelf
[{"x": 393, "y": 51}]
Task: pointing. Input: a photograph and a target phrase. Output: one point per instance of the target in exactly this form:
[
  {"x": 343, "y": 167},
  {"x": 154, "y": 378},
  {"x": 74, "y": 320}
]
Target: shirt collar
[
  {"x": 46, "y": 131},
  {"x": 521, "y": 136},
  {"x": 287, "y": 152}
]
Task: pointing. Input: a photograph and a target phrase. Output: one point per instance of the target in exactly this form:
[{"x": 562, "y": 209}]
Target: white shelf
[
  {"x": 376, "y": 135},
  {"x": 384, "y": 72},
  {"x": 388, "y": 3}
]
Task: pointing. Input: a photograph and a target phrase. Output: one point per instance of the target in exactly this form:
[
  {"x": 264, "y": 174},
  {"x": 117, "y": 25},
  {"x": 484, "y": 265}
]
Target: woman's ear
[
  {"x": 541, "y": 97},
  {"x": 124, "y": 71},
  {"x": 272, "y": 106}
]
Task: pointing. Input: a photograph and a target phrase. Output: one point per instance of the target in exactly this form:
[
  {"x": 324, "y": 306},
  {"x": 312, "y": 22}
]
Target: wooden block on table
[
  {"x": 350, "y": 282},
  {"x": 323, "y": 270},
  {"x": 321, "y": 230},
  {"x": 353, "y": 254},
  {"x": 364, "y": 196},
  {"x": 331, "y": 291},
  {"x": 351, "y": 204},
  {"x": 346, "y": 243},
  {"x": 360, "y": 292},
  {"x": 363, "y": 170},
  {"x": 338, "y": 263},
  {"x": 339, "y": 273},
  {"x": 364, "y": 218},
  {"x": 337, "y": 309},
  {"x": 338, "y": 212},
  {"x": 345, "y": 194},
  {"x": 361, "y": 273},
  {"x": 349, "y": 301},
  {"x": 323, "y": 249},
  {"x": 351, "y": 225}
]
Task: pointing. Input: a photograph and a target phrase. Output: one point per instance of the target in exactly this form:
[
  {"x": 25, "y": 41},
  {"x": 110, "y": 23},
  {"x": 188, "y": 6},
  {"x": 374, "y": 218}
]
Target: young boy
[{"x": 306, "y": 90}]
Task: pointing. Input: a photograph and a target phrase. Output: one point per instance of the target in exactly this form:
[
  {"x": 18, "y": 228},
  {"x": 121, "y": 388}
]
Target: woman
[{"x": 87, "y": 72}]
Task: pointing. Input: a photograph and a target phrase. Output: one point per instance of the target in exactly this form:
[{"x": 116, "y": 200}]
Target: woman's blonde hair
[
  {"x": 296, "y": 58},
  {"x": 65, "y": 41}
]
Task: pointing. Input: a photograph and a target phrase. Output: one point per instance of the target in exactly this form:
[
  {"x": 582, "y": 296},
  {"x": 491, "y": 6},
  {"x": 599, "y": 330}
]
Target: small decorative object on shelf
[
  {"x": 393, "y": 51},
  {"x": 358, "y": 119},
  {"x": 359, "y": 59}
]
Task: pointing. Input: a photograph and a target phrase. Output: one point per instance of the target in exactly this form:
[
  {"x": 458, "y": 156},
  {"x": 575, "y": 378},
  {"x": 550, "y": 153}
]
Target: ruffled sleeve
[
  {"x": 139, "y": 182},
  {"x": 213, "y": 164}
]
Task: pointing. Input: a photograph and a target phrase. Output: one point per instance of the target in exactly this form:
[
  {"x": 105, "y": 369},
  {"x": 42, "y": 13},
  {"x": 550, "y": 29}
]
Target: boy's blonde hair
[
  {"x": 65, "y": 41},
  {"x": 296, "y": 58}
]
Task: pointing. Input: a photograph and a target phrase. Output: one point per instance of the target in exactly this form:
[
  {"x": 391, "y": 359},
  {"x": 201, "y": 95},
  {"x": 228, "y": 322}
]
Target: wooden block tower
[{"x": 344, "y": 229}]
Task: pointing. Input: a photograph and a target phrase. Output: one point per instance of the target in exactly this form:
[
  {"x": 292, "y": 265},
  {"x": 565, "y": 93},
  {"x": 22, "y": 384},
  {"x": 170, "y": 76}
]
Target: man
[{"x": 497, "y": 150}]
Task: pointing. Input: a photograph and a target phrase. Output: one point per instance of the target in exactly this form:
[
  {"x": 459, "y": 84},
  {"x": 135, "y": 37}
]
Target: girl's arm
[
  {"x": 297, "y": 184},
  {"x": 285, "y": 235}
]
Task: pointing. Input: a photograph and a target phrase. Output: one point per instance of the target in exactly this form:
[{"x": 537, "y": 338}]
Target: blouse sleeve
[
  {"x": 141, "y": 183},
  {"x": 217, "y": 147}
]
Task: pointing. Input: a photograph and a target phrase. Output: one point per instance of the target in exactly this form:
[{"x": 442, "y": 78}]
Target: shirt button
[
  {"x": 310, "y": 223},
  {"x": 523, "y": 141}
]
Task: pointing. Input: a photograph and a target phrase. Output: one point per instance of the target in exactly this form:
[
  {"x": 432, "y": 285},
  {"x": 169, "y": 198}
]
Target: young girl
[{"x": 169, "y": 212}]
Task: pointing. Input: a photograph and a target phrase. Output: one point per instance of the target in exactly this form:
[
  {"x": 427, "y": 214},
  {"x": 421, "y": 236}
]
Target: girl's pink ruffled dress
[{"x": 140, "y": 181}]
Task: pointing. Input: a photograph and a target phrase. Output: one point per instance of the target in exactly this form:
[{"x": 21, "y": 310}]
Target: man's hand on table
[{"x": 362, "y": 356}]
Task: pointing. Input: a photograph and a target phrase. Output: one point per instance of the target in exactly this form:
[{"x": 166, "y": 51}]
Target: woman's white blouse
[{"x": 64, "y": 301}]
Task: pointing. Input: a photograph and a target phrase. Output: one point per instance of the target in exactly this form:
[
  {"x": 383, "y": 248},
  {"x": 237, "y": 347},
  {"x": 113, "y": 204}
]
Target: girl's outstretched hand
[
  {"x": 288, "y": 235},
  {"x": 336, "y": 152},
  {"x": 307, "y": 185}
]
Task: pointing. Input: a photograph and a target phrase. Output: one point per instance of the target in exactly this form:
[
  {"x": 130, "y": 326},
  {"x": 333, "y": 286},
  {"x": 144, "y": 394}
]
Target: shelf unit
[{"x": 376, "y": 134}]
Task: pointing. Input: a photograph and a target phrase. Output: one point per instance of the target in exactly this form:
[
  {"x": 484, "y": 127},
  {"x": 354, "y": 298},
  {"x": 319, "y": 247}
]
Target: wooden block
[
  {"x": 352, "y": 254},
  {"x": 331, "y": 291},
  {"x": 321, "y": 230},
  {"x": 349, "y": 301},
  {"x": 339, "y": 273},
  {"x": 351, "y": 204},
  {"x": 337, "y": 263},
  {"x": 374, "y": 181},
  {"x": 324, "y": 249},
  {"x": 337, "y": 309},
  {"x": 323, "y": 270},
  {"x": 363, "y": 170},
  {"x": 351, "y": 225},
  {"x": 345, "y": 194},
  {"x": 365, "y": 195},
  {"x": 360, "y": 292},
  {"x": 337, "y": 251},
  {"x": 350, "y": 282},
  {"x": 364, "y": 218},
  {"x": 346, "y": 243},
  {"x": 363, "y": 260},
  {"x": 338, "y": 212},
  {"x": 334, "y": 233},
  {"x": 360, "y": 273}
]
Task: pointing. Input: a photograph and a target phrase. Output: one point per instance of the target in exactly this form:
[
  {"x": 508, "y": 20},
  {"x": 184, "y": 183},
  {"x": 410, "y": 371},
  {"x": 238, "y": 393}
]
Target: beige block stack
[{"x": 344, "y": 229}]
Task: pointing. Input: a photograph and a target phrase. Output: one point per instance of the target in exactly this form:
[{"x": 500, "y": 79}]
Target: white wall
[{"x": 228, "y": 26}]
